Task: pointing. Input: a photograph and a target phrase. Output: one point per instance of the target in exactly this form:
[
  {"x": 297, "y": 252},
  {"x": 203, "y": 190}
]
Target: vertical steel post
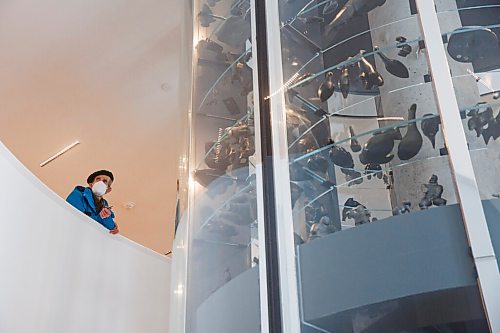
[
  {"x": 271, "y": 235},
  {"x": 261, "y": 223}
]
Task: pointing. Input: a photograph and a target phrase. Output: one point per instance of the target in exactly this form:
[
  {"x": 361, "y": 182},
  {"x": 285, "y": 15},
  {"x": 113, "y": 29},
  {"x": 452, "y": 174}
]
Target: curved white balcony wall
[{"x": 62, "y": 272}]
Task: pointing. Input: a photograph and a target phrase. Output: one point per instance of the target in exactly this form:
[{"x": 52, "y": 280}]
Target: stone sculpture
[{"x": 433, "y": 192}]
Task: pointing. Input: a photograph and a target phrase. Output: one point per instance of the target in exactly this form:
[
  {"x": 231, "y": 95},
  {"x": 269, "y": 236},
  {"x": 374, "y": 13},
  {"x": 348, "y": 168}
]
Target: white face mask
[{"x": 99, "y": 188}]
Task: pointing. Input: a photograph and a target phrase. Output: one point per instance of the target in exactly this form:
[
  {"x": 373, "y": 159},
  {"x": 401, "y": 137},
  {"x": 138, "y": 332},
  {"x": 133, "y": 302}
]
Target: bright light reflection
[
  {"x": 191, "y": 182},
  {"x": 179, "y": 290}
]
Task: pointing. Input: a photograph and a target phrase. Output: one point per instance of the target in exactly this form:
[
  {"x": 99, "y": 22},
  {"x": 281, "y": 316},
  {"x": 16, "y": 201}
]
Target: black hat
[{"x": 91, "y": 178}]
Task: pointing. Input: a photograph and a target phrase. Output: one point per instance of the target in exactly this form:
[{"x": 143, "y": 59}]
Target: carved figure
[
  {"x": 317, "y": 163},
  {"x": 344, "y": 82},
  {"x": 321, "y": 228},
  {"x": 348, "y": 205},
  {"x": 403, "y": 209},
  {"x": 356, "y": 211},
  {"x": 352, "y": 176},
  {"x": 326, "y": 89},
  {"x": 378, "y": 149},
  {"x": 493, "y": 130},
  {"x": 405, "y": 49},
  {"x": 433, "y": 192},
  {"x": 342, "y": 158},
  {"x": 412, "y": 141},
  {"x": 430, "y": 127},
  {"x": 355, "y": 146},
  {"x": 393, "y": 66},
  {"x": 368, "y": 75},
  {"x": 350, "y": 9},
  {"x": 374, "y": 170},
  {"x": 479, "y": 119},
  {"x": 360, "y": 215}
]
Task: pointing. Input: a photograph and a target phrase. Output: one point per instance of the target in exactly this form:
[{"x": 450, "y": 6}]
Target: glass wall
[
  {"x": 471, "y": 32},
  {"x": 370, "y": 178},
  {"x": 364, "y": 130},
  {"x": 380, "y": 243},
  {"x": 223, "y": 232}
]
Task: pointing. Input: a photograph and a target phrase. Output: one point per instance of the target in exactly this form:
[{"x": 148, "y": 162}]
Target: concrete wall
[{"x": 63, "y": 272}]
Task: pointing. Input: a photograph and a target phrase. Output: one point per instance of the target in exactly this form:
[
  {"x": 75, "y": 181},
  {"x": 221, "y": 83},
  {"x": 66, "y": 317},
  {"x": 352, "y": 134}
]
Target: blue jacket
[{"x": 81, "y": 198}]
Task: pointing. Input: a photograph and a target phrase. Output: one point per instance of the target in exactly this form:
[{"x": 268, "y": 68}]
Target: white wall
[{"x": 62, "y": 272}]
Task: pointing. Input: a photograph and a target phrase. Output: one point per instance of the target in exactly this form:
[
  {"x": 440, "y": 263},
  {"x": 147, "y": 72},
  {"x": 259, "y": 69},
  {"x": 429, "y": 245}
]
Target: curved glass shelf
[
  {"x": 313, "y": 107},
  {"x": 306, "y": 10},
  {"x": 219, "y": 79},
  {"x": 468, "y": 8},
  {"x": 385, "y": 128},
  {"x": 226, "y": 202},
  {"x": 346, "y": 184},
  {"x": 247, "y": 51},
  {"x": 224, "y": 136},
  {"x": 324, "y": 186},
  {"x": 352, "y": 61},
  {"x": 339, "y": 112},
  {"x": 364, "y": 134},
  {"x": 346, "y": 63},
  {"x": 221, "y": 18}
]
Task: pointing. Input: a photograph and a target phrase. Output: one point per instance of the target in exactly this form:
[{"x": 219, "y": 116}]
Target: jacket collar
[{"x": 87, "y": 194}]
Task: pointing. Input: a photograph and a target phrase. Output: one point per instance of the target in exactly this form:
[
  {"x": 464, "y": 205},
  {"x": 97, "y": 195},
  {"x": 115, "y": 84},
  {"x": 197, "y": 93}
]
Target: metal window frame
[
  {"x": 461, "y": 165},
  {"x": 181, "y": 321},
  {"x": 270, "y": 230},
  {"x": 263, "y": 291},
  {"x": 290, "y": 313}
]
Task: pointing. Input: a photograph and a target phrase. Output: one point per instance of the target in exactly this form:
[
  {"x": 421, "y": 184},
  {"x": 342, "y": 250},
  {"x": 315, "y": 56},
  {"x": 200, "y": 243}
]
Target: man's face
[{"x": 105, "y": 179}]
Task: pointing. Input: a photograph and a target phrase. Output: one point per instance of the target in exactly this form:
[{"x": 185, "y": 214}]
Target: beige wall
[{"x": 105, "y": 73}]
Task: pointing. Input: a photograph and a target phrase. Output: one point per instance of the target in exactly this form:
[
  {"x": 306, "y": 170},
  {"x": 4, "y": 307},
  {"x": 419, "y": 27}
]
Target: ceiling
[{"x": 104, "y": 73}]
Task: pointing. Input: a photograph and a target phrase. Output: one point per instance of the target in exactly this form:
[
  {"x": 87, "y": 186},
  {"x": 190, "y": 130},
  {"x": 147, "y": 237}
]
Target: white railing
[{"x": 62, "y": 272}]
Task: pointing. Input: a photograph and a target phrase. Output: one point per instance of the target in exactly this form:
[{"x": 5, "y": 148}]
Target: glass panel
[
  {"x": 179, "y": 249},
  {"x": 471, "y": 31},
  {"x": 223, "y": 252},
  {"x": 471, "y": 34},
  {"x": 377, "y": 223}
]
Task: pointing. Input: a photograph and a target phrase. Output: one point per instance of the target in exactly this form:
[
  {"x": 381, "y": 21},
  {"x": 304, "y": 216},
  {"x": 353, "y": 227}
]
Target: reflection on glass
[
  {"x": 368, "y": 157},
  {"x": 380, "y": 242},
  {"x": 473, "y": 48},
  {"x": 359, "y": 146},
  {"x": 223, "y": 253}
]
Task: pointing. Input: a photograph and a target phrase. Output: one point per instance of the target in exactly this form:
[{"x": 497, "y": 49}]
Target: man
[{"x": 90, "y": 201}]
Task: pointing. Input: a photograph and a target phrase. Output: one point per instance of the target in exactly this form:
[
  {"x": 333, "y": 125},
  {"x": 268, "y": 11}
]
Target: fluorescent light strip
[{"x": 65, "y": 150}]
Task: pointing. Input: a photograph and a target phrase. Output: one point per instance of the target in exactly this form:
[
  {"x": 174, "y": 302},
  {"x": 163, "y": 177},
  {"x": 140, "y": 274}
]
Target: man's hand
[
  {"x": 115, "y": 230},
  {"x": 105, "y": 213}
]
